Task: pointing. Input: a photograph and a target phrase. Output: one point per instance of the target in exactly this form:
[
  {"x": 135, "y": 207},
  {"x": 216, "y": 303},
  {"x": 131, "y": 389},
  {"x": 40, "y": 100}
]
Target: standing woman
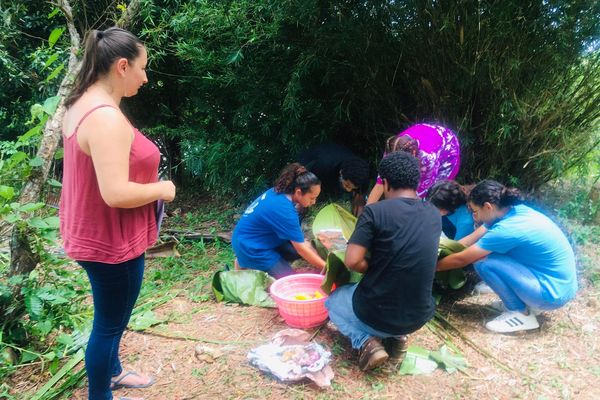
[
  {"x": 520, "y": 253},
  {"x": 437, "y": 149},
  {"x": 109, "y": 197},
  {"x": 268, "y": 235}
]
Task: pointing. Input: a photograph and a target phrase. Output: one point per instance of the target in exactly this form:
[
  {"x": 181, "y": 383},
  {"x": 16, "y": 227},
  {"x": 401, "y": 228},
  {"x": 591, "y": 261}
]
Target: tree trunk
[{"x": 23, "y": 258}]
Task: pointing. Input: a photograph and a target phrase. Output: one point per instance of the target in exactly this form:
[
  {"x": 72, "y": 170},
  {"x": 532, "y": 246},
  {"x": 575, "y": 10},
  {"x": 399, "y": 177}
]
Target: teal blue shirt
[
  {"x": 267, "y": 223},
  {"x": 462, "y": 219},
  {"x": 534, "y": 240}
]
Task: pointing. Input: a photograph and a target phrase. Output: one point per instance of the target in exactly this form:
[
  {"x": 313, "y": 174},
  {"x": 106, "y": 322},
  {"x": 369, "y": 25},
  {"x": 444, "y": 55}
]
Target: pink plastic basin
[{"x": 300, "y": 313}]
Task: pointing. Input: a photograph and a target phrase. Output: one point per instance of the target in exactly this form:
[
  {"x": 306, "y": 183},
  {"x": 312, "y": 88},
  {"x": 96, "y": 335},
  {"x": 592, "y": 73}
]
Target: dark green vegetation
[{"x": 238, "y": 87}]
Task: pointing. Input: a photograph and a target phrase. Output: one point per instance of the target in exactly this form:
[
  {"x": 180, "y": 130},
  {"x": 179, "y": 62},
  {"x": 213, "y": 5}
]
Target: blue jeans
[
  {"x": 341, "y": 313},
  {"x": 282, "y": 267},
  {"x": 514, "y": 283},
  {"x": 115, "y": 288}
]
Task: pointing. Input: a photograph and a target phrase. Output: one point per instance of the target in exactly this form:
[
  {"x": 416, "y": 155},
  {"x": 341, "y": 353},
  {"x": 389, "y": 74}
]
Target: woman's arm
[
  {"x": 307, "y": 252},
  {"x": 462, "y": 259},
  {"x": 473, "y": 237},
  {"x": 358, "y": 203},
  {"x": 375, "y": 194},
  {"x": 108, "y": 137},
  {"x": 355, "y": 258}
]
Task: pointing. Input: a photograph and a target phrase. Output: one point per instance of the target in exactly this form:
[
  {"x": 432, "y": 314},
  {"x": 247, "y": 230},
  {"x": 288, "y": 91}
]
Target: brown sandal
[{"x": 372, "y": 354}]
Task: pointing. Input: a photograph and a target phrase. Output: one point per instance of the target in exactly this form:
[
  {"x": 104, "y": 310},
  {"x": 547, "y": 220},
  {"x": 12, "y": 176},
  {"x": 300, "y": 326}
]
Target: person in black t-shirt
[
  {"x": 393, "y": 299},
  {"x": 339, "y": 171}
]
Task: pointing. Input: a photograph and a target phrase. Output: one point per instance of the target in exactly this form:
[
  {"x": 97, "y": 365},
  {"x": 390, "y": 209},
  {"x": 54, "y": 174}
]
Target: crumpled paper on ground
[{"x": 291, "y": 357}]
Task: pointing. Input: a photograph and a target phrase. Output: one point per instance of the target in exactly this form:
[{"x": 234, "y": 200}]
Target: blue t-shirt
[
  {"x": 267, "y": 223},
  {"x": 532, "y": 239},
  {"x": 462, "y": 219}
]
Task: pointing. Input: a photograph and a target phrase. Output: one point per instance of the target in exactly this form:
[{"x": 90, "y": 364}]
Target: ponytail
[
  {"x": 102, "y": 48},
  {"x": 295, "y": 176},
  {"x": 489, "y": 191}
]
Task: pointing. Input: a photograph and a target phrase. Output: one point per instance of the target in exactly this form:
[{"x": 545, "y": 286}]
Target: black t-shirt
[
  {"x": 325, "y": 161},
  {"x": 402, "y": 234}
]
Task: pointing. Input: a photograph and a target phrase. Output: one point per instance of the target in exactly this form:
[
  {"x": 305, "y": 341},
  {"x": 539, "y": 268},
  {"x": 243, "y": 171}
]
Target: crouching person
[{"x": 394, "y": 297}]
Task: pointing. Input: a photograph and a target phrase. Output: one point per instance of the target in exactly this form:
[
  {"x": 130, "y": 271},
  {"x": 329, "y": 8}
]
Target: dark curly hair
[
  {"x": 295, "y": 176},
  {"x": 489, "y": 191},
  {"x": 447, "y": 195},
  {"x": 356, "y": 170},
  {"x": 400, "y": 170}
]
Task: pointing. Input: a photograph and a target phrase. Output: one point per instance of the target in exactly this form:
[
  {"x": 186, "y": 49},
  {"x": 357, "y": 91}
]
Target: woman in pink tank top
[{"x": 109, "y": 197}]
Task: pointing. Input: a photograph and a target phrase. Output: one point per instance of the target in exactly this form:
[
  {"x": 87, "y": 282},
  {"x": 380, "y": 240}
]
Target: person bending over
[
  {"x": 451, "y": 199},
  {"x": 520, "y": 253},
  {"x": 437, "y": 149},
  {"x": 268, "y": 236},
  {"x": 394, "y": 297},
  {"x": 339, "y": 170}
]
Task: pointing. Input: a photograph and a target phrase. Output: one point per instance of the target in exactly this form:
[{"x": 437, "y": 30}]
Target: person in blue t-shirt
[
  {"x": 451, "y": 199},
  {"x": 268, "y": 235},
  {"x": 520, "y": 253}
]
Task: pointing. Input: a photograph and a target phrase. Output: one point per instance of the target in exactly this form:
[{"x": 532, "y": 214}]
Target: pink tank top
[{"x": 93, "y": 231}]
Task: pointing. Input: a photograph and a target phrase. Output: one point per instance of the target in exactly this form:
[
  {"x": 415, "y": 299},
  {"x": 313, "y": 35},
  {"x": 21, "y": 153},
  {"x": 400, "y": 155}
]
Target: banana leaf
[
  {"x": 247, "y": 286},
  {"x": 333, "y": 218},
  {"x": 417, "y": 362},
  {"x": 338, "y": 273},
  {"x": 449, "y": 361},
  {"x": 455, "y": 278}
]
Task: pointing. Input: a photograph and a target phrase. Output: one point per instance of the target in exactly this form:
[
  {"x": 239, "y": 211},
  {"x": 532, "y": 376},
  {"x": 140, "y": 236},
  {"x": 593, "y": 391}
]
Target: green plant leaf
[
  {"x": 54, "y": 11},
  {"x": 50, "y": 60},
  {"x": 144, "y": 321},
  {"x": 54, "y": 183},
  {"x": 235, "y": 57},
  {"x": 36, "y": 162},
  {"x": 52, "y": 222},
  {"x": 54, "y": 36},
  {"x": 51, "y": 103},
  {"x": 417, "y": 362},
  {"x": 34, "y": 306},
  {"x": 7, "y": 192},
  {"x": 449, "y": 361},
  {"x": 54, "y": 73},
  {"x": 30, "y": 133},
  {"x": 27, "y": 356},
  {"x": 29, "y": 207},
  {"x": 37, "y": 222},
  {"x": 60, "y": 152},
  {"x": 18, "y": 157}
]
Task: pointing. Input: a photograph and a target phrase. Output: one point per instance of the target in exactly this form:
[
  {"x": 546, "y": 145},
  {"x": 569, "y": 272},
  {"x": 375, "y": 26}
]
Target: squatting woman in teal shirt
[{"x": 520, "y": 253}]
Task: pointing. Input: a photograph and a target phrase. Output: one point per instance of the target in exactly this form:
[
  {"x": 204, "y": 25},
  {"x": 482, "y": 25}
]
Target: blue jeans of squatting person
[
  {"x": 115, "y": 288},
  {"x": 341, "y": 313},
  {"x": 282, "y": 267},
  {"x": 515, "y": 284}
]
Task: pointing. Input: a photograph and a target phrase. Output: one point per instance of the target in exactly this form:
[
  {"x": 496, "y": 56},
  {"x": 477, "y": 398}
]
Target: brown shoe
[
  {"x": 372, "y": 354},
  {"x": 396, "y": 348}
]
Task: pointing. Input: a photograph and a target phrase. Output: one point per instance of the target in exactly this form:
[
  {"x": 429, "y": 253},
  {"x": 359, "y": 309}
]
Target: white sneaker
[
  {"x": 482, "y": 288},
  {"x": 512, "y": 321}
]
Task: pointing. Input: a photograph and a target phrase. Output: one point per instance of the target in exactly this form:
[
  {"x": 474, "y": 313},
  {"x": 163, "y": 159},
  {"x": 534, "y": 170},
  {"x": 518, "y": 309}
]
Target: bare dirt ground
[
  {"x": 561, "y": 360},
  {"x": 558, "y": 361}
]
